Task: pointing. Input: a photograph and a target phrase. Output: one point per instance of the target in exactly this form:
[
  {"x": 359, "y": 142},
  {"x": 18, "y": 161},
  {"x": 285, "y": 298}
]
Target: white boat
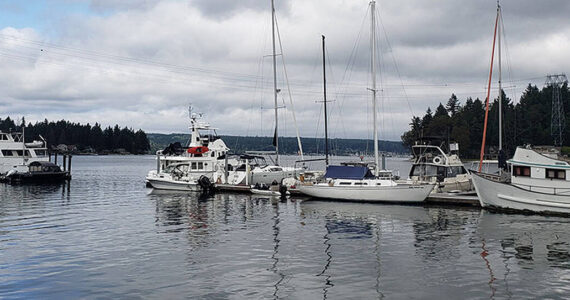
[
  {"x": 445, "y": 170},
  {"x": 16, "y": 155},
  {"x": 536, "y": 183},
  {"x": 180, "y": 168},
  {"x": 356, "y": 182}
]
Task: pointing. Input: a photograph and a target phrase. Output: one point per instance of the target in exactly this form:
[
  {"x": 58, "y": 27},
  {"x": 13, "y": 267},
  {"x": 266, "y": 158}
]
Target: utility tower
[{"x": 558, "y": 121}]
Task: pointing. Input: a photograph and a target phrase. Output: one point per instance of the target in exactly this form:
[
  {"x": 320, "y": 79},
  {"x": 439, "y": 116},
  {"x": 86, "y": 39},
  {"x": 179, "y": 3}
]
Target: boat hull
[
  {"x": 401, "y": 193},
  {"x": 495, "y": 194},
  {"x": 167, "y": 184}
]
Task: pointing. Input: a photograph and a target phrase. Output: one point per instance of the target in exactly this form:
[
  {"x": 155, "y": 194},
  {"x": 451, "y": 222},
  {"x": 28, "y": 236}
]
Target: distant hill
[{"x": 287, "y": 145}]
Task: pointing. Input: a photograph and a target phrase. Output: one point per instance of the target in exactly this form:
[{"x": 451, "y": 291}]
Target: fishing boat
[
  {"x": 537, "y": 182},
  {"x": 431, "y": 164},
  {"x": 190, "y": 168},
  {"x": 358, "y": 182}
]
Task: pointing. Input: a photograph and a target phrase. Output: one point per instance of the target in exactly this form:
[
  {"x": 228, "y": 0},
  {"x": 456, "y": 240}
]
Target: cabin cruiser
[
  {"x": 192, "y": 167},
  {"x": 16, "y": 154},
  {"x": 432, "y": 165},
  {"x": 538, "y": 181}
]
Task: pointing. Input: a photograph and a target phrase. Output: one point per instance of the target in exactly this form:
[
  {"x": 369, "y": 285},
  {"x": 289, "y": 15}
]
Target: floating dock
[
  {"x": 223, "y": 187},
  {"x": 454, "y": 199}
]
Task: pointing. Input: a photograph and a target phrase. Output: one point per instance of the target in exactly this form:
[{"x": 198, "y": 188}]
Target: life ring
[
  {"x": 198, "y": 150},
  {"x": 437, "y": 160}
]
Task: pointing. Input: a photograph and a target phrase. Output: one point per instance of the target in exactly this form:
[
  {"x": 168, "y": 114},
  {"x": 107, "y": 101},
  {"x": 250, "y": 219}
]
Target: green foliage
[
  {"x": 527, "y": 122},
  {"x": 84, "y": 137}
]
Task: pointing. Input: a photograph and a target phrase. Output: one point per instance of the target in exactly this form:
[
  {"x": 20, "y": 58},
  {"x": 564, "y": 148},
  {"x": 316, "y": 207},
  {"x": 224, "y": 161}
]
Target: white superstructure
[
  {"x": 537, "y": 182},
  {"x": 446, "y": 170},
  {"x": 16, "y": 155}
]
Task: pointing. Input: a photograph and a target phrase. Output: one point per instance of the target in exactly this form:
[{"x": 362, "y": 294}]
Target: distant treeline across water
[
  {"x": 82, "y": 138},
  {"x": 287, "y": 145}
]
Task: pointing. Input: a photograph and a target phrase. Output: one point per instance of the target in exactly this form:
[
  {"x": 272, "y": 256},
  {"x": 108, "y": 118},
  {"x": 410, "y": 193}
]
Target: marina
[
  {"x": 293, "y": 194},
  {"x": 61, "y": 241}
]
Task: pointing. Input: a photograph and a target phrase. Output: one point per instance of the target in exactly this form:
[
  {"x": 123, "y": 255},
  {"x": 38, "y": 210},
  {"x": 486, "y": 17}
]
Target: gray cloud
[{"x": 142, "y": 62}]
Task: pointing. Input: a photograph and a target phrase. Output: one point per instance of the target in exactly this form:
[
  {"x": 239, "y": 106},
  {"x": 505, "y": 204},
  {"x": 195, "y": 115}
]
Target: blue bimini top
[{"x": 348, "y": 172}]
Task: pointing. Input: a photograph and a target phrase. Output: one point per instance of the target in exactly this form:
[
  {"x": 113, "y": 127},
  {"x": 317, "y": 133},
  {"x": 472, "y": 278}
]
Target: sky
[{"x": 142, "y": 63}]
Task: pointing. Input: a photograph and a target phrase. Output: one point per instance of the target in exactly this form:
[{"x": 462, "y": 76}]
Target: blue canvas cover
[{"x": 348, "y": 172}]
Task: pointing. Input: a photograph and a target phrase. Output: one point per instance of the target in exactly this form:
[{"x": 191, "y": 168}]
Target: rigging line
[
  {"x": 289, "y": 90},
  {"x": 350, "y": 66},
  {"x": 87, "y": 53},
  {"x": 395, "y": 64}
]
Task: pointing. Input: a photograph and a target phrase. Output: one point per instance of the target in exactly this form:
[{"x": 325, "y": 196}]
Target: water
[{"x": 106, "y": 236}]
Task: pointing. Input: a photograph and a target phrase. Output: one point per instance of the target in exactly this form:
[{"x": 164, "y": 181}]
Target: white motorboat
[
  {"x": 536, "y": 183},
  {"x": 445, "y": 170},
  {"x": 180, "y": 168},
  {"x": 356, "y": 181},
  {"x": 16, "y": 155}
]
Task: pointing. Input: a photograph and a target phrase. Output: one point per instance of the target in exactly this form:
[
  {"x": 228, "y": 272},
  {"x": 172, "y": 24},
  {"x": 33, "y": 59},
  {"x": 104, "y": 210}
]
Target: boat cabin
[{"x": 539, "y": 172}]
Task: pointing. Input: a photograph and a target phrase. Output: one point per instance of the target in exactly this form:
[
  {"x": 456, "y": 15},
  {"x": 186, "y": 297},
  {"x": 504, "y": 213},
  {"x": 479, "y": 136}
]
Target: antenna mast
[{"x": 558, "y": 121}]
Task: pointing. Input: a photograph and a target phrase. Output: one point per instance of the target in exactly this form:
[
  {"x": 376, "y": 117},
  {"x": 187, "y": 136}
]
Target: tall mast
[
  {"x": 276, "y": 133},
  {"x": 325, "y": 101},
  {"x": 373, "y": 71},
  {"x": 499, "y": 17},
  {"x": 482, "y": 153}
]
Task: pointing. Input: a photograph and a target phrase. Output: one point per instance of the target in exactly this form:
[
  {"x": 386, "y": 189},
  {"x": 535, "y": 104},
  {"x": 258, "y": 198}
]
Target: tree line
[
  {"x": 526, "y": 122},
  {"x": 287, "y": 145},
  {"x": 84, "y": 137}
]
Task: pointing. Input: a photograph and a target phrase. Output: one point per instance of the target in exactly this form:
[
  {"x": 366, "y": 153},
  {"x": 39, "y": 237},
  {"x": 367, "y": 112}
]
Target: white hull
[
  {"x": 266, "y": 192},
  {"x": 402, "y": 193},
  {"x": 173, "y": 185},
  {"x": 495, "y": 194}
]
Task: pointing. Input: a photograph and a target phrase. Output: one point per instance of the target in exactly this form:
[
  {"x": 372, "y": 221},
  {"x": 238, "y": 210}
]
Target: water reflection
[{"x": 532, "y": 245}]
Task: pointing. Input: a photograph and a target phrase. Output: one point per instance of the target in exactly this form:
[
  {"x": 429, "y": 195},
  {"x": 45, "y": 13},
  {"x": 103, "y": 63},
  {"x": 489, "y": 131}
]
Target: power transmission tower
[{"x": 558, "y": 121}]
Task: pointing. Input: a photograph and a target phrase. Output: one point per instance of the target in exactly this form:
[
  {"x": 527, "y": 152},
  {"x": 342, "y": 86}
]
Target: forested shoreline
[
  {"x": 525, "y": 122},
  {"x": 82, "y": 138}
]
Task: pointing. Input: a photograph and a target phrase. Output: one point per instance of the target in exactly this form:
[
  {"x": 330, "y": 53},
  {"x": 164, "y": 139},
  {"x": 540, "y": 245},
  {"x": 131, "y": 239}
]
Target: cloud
[{"x": 139, "y": 63}]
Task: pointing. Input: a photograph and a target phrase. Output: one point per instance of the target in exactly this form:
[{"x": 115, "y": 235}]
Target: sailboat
[
  {"x": 355, "y": 181},
  {"x": 538, "y": 181}
]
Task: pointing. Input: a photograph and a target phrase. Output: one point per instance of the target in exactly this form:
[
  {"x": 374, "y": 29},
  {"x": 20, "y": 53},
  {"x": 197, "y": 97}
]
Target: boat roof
[
  {"x": 348, "y": 172},
  {"x": 534, "y": 157}
]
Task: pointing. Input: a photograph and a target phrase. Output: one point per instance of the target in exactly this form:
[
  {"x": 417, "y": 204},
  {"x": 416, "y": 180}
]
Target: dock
[
  {"x": 454, "y": 199},
  {"x": 223, "y": 187}
]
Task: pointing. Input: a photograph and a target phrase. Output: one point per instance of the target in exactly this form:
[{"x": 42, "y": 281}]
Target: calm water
[{"x": 107, "y": 236}]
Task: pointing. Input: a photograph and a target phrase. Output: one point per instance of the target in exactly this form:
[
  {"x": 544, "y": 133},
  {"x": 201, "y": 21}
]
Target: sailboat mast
[
  {"x": 373, "y": 71},
  {"x": 276, "y": 133},
  {"x": 482, "y": 154},
  {"x": 325, "y": 102},
  {"x": 499, "y": 17}
]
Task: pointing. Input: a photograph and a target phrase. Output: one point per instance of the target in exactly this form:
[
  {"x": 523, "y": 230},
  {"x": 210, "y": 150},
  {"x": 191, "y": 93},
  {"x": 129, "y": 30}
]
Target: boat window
[
  {"x": 555, "y": 174},
  {"x": 275, "y": 169},
  {"x": 358, "y": 183},
  {"x": 521, "y": 171},
  {"x": 40, "y": 152},
  {"x": 7, "y": 153},
  {"x": 19, "y": 152},
  {"x": 200, "y": 165},
  {"x": 3, "y": 137},
  {"x": 213, "y": 154},
  {"x": 194, "y": 166},
  {"x": 344, "y": 183}
]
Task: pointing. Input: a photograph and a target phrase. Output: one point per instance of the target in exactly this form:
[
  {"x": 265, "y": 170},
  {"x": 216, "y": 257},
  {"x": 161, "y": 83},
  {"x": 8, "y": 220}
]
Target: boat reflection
[{"x": 511, "y": 243}]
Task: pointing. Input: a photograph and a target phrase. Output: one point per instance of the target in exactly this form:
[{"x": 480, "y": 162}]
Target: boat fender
[{"x": 437, "y": 160}]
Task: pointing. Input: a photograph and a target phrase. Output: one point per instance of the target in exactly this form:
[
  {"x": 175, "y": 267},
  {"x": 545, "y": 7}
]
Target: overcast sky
[{"x": 140, "y": 63}]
